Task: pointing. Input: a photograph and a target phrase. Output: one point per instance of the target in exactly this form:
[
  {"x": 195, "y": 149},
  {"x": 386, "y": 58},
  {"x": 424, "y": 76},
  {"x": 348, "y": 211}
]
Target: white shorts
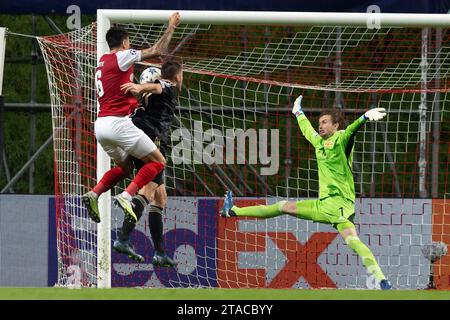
[{"x": 119, "y": 137}]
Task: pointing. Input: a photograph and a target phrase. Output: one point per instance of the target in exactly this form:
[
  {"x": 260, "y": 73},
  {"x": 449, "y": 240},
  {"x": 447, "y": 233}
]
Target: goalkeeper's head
[
  {"x": 117, "y": 38},
  {"x": 330, "y": 121}
]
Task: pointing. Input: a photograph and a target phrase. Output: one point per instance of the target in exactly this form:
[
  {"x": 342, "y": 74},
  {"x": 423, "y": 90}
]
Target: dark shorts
[{"x": 153, "y": 133}]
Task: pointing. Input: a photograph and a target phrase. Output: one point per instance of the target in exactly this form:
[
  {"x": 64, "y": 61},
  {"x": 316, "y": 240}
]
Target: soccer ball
[
  {"x": 150, "y": 75},
  {"x": 435, "y": 251}
]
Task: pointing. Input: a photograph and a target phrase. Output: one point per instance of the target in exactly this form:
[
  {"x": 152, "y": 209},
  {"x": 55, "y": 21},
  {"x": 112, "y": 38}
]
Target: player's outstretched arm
[
  {"x": 140, "y": 88},
  {"x": 374, "y": 114},
  {"x": 160, "y": 47},
  {"x": 305, "y": 126}
]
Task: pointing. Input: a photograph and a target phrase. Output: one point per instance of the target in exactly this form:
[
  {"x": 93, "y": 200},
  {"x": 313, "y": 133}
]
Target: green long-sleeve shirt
[{"x": 334, "y": 158}]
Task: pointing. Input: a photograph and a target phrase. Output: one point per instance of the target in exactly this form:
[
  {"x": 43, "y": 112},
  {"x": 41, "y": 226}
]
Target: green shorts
[{"x": 336, "y": 211}]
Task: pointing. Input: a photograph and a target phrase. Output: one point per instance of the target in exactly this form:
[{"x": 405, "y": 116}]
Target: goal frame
[
  {"x": 106, "y": 17},
  {"x": 2, "y": 55}
]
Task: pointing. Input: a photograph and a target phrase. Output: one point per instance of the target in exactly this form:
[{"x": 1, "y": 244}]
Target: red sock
[
  {"x": 147, "y": 173},
  {"x": 110, "y": 179}
]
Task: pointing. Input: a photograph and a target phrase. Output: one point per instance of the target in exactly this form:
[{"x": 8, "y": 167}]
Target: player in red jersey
[{"x": 114, "y": 130}]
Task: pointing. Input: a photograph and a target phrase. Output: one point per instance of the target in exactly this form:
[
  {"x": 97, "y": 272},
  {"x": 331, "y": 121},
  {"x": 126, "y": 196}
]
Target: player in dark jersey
[
  {"x": 114, "y": 130},
  {"x": 154, "y": 117}
]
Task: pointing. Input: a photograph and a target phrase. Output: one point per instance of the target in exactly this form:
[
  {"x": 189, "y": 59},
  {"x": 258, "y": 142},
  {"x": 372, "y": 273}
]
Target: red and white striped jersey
[{"x": 113, "y": 70}]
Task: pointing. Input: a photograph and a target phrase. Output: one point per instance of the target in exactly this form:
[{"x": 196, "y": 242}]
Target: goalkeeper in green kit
[{"x": 336, "y": 203}]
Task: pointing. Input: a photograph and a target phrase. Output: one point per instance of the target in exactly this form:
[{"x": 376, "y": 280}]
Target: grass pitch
[{"x": 215, "y": 294}]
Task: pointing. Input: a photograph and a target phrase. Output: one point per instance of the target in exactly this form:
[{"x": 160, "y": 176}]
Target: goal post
[
  {"x": 2, "y": 56},
  {"x": 274, "y": 18},
  {"x": 103, "y": 165},
  {"x": 243, "y": 70}
]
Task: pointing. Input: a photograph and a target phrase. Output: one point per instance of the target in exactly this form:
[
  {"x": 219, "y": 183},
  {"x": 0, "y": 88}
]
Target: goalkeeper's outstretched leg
[{"x": 333, "y": 210}]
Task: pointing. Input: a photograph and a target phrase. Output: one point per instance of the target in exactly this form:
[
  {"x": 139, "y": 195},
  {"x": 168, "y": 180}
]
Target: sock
[
  {"x": 366, "y": 256},
  {"x": 110, "y": 179},
  {"x": 156, "y": 228},
  {"x": 139, "y": 203},
  {"x": 126, "y": 195},
  {"x": 265, "y": 212},
  {"x": 146, "y": 174}
]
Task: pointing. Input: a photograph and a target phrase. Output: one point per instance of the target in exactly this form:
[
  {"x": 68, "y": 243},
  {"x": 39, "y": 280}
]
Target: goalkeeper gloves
[
  {"x": 297, "y": 109},
  {"x": 375, "y": 114}
]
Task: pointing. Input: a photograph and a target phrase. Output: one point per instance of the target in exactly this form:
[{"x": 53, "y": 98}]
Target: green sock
[
  {"x": 366, "y": 256},
  {"x": 265, "y": 212}
]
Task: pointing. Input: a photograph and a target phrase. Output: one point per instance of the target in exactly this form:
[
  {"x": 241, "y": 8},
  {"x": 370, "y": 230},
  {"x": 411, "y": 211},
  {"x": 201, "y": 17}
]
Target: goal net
[{"x": 234, "y": 131}]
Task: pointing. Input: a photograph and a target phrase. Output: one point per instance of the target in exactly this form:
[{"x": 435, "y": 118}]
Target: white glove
[
  {"x": 375, "y": 114},
  {"x": 297, "y": 109}
]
